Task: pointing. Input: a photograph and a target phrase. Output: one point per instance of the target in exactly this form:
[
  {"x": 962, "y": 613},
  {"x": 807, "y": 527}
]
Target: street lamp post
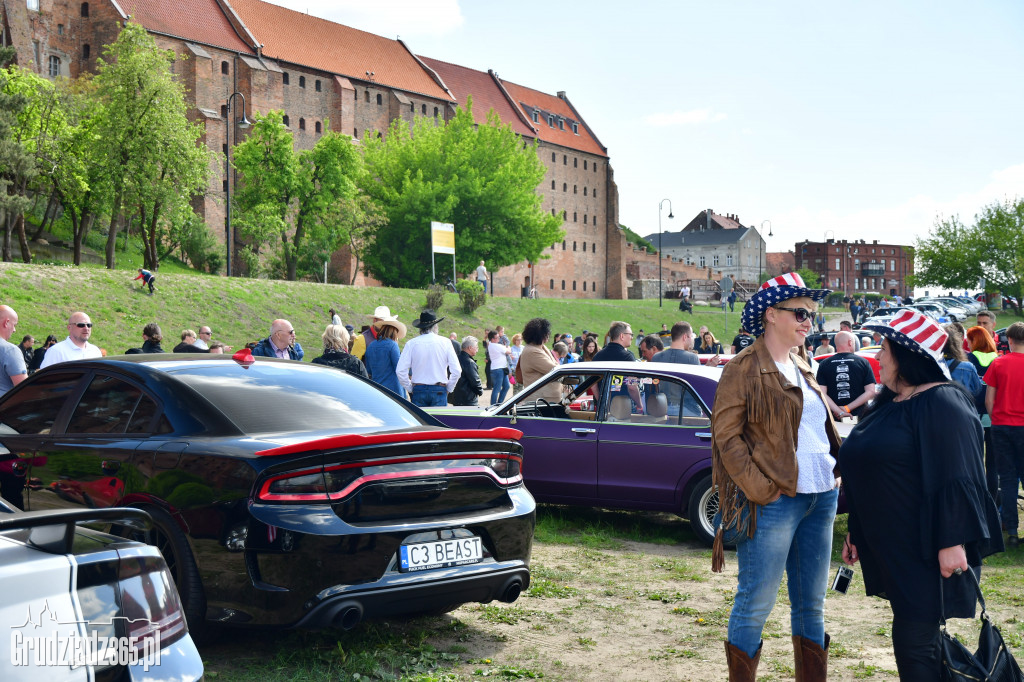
[
  {"x": 760, "y": 239},
  {"x": 660, "y": 284},
  {"x": 825, "y": 244},
  {"x": 244, "y": 123}
]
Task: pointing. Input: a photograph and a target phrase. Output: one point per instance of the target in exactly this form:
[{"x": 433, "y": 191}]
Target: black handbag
[{"x": 992, "y": 661}]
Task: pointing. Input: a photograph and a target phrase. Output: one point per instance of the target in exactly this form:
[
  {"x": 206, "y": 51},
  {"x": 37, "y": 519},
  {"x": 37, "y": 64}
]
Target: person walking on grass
[{"x": 148, "y": 278}]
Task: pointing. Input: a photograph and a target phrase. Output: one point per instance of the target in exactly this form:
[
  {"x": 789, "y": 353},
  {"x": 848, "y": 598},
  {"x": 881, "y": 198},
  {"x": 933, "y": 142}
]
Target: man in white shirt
[
  {"x": 205, "y": 336},
  {"x": 481, "y": 275},
  {"x": 428, "y": 368},
  {"x": 76, "y": 346},
  {"x": 12, "y": 358}
]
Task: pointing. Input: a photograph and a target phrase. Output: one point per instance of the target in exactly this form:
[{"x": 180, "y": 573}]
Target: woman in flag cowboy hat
[
  {"x": 920, "y": 513},
  {"x": 773, "y": 448}
]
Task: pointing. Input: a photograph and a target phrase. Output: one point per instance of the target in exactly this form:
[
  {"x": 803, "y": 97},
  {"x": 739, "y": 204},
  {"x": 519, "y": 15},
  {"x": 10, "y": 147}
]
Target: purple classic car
[{"x": 622, "y": 435}]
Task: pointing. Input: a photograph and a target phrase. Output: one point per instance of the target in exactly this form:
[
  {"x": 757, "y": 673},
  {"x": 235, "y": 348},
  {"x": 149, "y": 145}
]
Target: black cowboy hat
[{"x": 427, "y": 320}]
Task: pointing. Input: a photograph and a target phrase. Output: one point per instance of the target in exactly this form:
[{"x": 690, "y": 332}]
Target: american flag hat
[
  {"x": 774, "y": 291},
  {"x": 916, "y": 331}
]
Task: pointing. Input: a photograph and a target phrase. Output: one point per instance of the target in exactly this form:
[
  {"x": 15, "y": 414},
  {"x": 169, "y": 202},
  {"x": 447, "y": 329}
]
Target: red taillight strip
[
  {"x": 268, "y": 496},
  {"x": 421, "y": 458},
  {"x": 352, "y": 440}
]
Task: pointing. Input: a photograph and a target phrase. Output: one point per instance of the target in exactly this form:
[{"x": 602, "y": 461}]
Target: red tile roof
[
  {"x": 199, "y": 21},
  {"x": 530, "y": 99},
  {"x": 310, "y": 41},
  {"x": 486, "y": 92}
]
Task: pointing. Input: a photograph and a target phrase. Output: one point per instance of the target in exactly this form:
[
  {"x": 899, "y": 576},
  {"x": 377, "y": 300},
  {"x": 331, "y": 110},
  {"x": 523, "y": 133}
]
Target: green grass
[{"x": 606, "y": 529}]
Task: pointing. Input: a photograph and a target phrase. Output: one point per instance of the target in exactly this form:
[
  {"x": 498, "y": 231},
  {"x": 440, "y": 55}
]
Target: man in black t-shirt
[
  {"x": 741, "y": 341},
  {"x": 847, "y": 378}
]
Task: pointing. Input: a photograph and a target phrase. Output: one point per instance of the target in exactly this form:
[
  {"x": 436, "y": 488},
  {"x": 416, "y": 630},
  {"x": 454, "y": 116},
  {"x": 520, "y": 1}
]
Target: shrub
[
  {"x": 435, "y": 297},
  {"x": 471, "y": 294}
]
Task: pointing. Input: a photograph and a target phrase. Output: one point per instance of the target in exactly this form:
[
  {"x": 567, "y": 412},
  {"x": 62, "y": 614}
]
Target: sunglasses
[
  {"x": 83, "y": 325},
  {"x": 801, "y": 314}
]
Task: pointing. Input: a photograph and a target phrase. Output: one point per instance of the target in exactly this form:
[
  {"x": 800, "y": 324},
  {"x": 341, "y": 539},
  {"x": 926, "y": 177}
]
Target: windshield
[{"x": 270, "y": 397}]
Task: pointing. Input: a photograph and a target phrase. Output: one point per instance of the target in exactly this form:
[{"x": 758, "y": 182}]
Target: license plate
[{"x": 424, "y": 556}]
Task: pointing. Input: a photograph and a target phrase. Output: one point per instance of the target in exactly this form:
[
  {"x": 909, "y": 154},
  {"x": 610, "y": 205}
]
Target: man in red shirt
[{"x": 1004, "y": 400}]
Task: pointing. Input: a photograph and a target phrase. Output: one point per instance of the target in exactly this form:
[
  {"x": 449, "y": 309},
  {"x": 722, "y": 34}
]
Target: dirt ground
[{"x": 652, "y": 612}]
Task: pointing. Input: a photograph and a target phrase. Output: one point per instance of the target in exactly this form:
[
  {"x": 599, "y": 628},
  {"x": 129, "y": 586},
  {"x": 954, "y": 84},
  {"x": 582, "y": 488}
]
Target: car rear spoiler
[
  {"x": 53, "y": 530},
  {"x": 354, "y": 440}
]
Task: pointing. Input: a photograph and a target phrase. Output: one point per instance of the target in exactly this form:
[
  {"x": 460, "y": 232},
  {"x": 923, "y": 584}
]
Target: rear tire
[
  {"x": 166, "y": 536},
  {"x": 701, "y": 510}
]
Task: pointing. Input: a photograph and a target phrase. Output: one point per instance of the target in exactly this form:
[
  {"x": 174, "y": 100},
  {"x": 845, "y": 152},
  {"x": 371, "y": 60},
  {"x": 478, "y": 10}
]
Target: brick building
[
  {"x": 858, "y": 266},
  {"x": 323, "y": 74}
]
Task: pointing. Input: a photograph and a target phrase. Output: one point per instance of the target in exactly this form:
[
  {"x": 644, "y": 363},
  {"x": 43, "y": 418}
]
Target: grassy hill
[{"x": 241, "y": 310}]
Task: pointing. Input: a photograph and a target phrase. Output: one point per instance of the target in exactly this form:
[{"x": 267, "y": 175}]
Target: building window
[
  {"x": 85, "y": 9},
  {"x": 285, "y": 120},
  {"x": 302, "y": 124},
  {"x": 355, "y": 133},
  {"x": 856, "y": 263},
  {"x": 728, "y": 260},
  {"x": 595, "y": 194},
  {"x": 60, "y": 29},
  {"x": 318, "y": 86},
  {"x": 423, "y": 109},
  {"x": 584, "y": 164},
  {"x": 565, "y": 160},
  {"x": 595, "y": 166},
  {"x": 584, "y": 285},
  {"x": 552, "y": 184},
  {"x": 584, "y": 191},
  {"x": 436, "y": 112},
  {"x": 574, "y": 217},
  {"x": 552, "y": 213},
  {"x": 551, "y": 285},
  {"x": 584, "y": 247},
  {"x": 593, "y": 286},
  {"x": 856, "y": 282},
  {"x": 224, "y": 148},
  {"x": 551, "y": 124},
  {"x": 574, "y": 187},
  {"x": 574, "y": 246},
  {"x": 576, "y": 128},
  {"x": 714, "y": 261},
  {"x": 892, "y": 265},
  {"x": 575, "y": 162},
  {"x": 412, "y": 107},
  {"x": 54, "y": 66},
  {"x": 224, "y": 184},
  {"x": 225, "y": 68},
  {"x": 565, "y": 187},
  {"x": 284, "y": 78},
  {"x": 535, "y": 116},
  {"x": 837, "y": 264},
  {"x": 561, "y": 123},
  {"x": 584, "y": 218},
  {"x": 552, "y": 157},
  {"x": 302, "y": 81},
  {"x": 563, "y": 245},
  {"x": 223, "y": 110},
  {"x": 574, "y": 285},
  {"x": 701, "y": 262},
  {"x": 380, "y": 100},
  {"x": 318, "y": 127},
  {"x": 563, "y": 285},
  {"x": 366, "y": 96},
  {"x": 86, "y": 51},
  {"x": 593, "y": 248}
]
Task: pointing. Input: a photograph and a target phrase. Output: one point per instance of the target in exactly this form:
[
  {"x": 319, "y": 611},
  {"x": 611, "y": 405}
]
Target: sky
[{"x": 866, "y": 120}]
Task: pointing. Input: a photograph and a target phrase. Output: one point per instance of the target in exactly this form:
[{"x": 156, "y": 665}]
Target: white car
[{"x": 78, "y": 604}]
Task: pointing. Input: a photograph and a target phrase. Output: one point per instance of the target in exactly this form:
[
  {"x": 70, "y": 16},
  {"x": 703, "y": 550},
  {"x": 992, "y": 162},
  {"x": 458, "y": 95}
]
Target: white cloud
[
  {"x": 389, "y": 18},
  {"x": 900, "y": 224},
  {"x": 682, "y": 118}
]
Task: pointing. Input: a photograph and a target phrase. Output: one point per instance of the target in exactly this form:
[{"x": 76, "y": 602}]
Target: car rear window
[{"x": 269, "y": 397}]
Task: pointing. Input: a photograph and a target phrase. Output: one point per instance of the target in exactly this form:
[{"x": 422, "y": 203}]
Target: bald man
[
  {"x": 76, "y": 346},
  {"x": 847, "y": 378},
  {"x": 12, "y": 359},
  {"x": 280, "y": 343}
]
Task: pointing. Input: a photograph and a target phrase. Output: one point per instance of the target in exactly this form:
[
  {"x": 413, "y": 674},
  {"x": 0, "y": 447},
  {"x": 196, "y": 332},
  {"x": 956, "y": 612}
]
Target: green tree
[
  {"x": 810, "y": 277},
  {"x": 481, "y": 178},
  {"x": 151, "y": 154},
  {"x": 288, "y": 199},
  {"x": 957, "y": 256},
  {"x": 19, "y": 131}
]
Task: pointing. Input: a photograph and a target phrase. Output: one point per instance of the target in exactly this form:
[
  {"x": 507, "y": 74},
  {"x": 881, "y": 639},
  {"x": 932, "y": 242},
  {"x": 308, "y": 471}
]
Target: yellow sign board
[{"x": 442, "y": 238}]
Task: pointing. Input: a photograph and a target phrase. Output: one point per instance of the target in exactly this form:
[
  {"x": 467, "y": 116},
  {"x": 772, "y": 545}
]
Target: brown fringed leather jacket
[{"x": 754, "y": 427}]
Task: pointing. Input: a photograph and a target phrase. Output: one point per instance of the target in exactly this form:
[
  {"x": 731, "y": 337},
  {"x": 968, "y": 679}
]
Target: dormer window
[
  {"x": 551, "y": 121},
  {"x": 575, "y": 128},
  {"x": 561, "y": 123},
  {"x": 535, "y": 115}
]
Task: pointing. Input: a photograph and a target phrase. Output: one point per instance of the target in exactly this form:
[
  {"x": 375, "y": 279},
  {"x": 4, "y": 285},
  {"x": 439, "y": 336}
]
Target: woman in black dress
[{"x": 920, "y": 514}]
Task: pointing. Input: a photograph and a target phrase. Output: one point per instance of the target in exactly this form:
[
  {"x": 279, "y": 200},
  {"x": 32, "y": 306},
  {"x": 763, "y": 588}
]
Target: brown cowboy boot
[
  {"x": 811, "y": 659},
  {"x": 742, "y": 668}
]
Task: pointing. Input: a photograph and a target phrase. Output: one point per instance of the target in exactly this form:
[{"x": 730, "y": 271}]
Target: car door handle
[
  {"x": 703, "y": 434},
  {"x": 579, "y": 431}
]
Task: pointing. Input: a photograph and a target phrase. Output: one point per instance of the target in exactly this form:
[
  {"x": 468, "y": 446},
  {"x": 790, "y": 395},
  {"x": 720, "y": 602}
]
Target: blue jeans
[
  {"x": 793, "y": 534},
  {"x": 1008, "y": 443},
  {"x": 484, "y": 283},
  {"x": 499, "y": 380},
  {"x": 429, "y": 396}
]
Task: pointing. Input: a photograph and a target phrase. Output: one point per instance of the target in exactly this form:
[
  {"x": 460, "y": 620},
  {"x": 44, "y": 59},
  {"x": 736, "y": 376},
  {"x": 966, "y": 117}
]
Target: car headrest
[
  {"x": 657, "y": 405},
  {"x": 621, "y": 407}
]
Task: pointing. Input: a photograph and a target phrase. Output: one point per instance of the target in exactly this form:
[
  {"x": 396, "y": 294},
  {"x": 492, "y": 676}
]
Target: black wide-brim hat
[
  {"x": 775, "y": 291},
  {"x": 917, "y": 332},
  {"x": 427, "y": 320}
]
